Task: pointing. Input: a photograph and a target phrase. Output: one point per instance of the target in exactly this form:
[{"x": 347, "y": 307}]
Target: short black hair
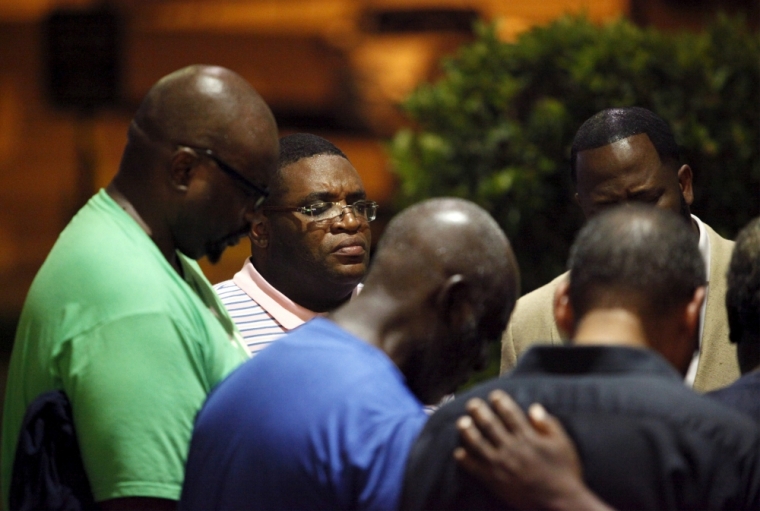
[
  {"x": 613, "y": 124},
  {"x": 743, "y": 295},
  {"x": 304, "y": 145},
  {"x": 635, "y": 255}
]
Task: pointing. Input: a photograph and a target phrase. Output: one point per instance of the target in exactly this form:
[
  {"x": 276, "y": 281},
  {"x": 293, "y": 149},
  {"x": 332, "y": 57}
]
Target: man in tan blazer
[{"x": 630, "y": 155}]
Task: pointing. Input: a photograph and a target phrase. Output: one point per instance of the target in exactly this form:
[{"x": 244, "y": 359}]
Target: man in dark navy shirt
[
  {"x": 645, "y": 441},
  {"x": 743, "y": 304}
]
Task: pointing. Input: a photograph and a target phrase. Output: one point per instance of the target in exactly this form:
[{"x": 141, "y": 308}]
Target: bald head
[
  {"x": 199, "y": 104},
  {"x": 447, "y": 272},
  {"x": 201, "y": 150},
  {"x": 438, "y": 238}
]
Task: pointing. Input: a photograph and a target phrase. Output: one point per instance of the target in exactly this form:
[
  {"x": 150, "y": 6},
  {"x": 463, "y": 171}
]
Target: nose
[{"x": 348, "y": 218}]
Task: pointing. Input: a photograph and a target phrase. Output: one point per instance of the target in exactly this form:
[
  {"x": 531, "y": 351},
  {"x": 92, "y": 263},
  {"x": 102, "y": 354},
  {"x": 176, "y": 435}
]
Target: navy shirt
[
  {"x": 743, "y": 395},
  {"x": 645, "y": 440},
  {"x": 317, "y": 420}
]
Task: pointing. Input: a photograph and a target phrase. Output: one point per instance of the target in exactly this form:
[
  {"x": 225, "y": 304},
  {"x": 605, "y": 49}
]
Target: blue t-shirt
[{"x": 318, "y": 420}]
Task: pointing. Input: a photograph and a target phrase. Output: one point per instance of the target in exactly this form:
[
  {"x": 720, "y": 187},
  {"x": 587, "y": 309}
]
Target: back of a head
[
  {"x": 446, "y": 272},
  {"x": 613, "y": 124},
  {"x": 743, "y": 295},
  {"x": 637, "y": 257},
  {"x": 437, "y": 238}
]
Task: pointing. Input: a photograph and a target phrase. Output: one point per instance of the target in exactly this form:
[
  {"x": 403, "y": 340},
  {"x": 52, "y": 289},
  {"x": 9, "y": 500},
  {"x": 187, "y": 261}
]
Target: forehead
[
  {"x": 331, "y": 176},
  {"x": 629, "y": 162}
]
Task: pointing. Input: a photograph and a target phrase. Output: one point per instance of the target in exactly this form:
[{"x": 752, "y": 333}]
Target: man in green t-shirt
[{"x": 120, "y": 316}]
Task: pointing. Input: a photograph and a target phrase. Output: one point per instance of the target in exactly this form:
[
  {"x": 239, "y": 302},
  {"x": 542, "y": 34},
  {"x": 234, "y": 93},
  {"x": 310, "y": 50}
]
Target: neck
[
  {"x": 405, "y": 330},
  {"x": 318, "y": 302},
  {"x": 382, "y": 326},
  {"x": 614, "y": 326},
  {"x": 304, "y": 290},
  {"x": 123, "y": 194}
]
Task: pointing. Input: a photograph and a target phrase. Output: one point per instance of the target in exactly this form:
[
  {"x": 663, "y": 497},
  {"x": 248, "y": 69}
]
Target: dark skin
[
  {"x": 748, "y": 353},
  {"x": 630, "y": 170},
  {"x": 431, "y": 312},
  {"x": 317, "y": 264},
  {"x": 180, "y": 197}
]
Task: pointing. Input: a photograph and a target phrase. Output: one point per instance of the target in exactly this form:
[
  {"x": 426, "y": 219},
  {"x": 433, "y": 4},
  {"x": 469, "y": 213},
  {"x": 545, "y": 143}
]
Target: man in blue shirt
[{"x": 324, "y": 418}]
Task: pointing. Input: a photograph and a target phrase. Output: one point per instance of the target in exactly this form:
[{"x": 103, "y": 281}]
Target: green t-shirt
[{"x": 134, "y": 345}]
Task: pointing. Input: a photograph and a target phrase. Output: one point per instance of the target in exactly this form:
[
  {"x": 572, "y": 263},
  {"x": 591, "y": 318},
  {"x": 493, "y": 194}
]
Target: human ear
[
  {"x": 685, "y": 177},
  {"x": 586, "y": 208},
  {"x": 461, "y": 318},
  {"x": 564, "y": 315},
  {"x": 181, "y": 168},
  {"x": 680, "y": 339},
  {"x": 259, "y": 232},
  {"x": 452, "y": 303},
  {"x": 692, "y": 311}
]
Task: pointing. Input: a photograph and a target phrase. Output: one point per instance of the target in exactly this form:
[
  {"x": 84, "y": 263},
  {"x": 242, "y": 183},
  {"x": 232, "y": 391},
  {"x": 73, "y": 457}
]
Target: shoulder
[
  {"x": 531, "y": 322},
  {"x": 541, "y": 298},
  {"x": 225, "y": 285},
  {"x": 719, "y": 246},
  {"x": 230, "y": 293},
  {"x": 536, "y": 310},
  {"x": 319, "y": 347}
]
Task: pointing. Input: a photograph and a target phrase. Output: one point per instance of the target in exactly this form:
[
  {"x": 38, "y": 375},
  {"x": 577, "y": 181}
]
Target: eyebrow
[{"x": 331, "y": 197}]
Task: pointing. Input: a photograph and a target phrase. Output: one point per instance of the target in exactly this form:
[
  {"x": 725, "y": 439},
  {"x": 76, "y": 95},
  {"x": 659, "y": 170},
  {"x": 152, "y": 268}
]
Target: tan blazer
[{"x": 532, "y": 322}]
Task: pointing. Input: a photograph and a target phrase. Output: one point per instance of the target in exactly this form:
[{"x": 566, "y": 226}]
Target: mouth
[{"x": 351, "y": 247}]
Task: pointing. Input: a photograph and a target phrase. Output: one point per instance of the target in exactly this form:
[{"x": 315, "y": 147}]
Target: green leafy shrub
[{"x": 497, "y": 127}]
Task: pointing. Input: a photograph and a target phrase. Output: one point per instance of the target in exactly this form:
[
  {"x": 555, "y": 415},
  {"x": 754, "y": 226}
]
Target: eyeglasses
[
  {"x": 321, "y": 211},
  {"x": 251, "y": 188}
]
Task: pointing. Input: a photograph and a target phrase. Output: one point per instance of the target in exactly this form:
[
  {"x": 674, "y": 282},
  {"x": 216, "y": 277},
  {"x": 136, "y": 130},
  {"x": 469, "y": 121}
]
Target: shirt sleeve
[
  {"x": 135, "y": 385},
  {"x": 379, "y": 433},
  {"x": 382, "y": 464}
]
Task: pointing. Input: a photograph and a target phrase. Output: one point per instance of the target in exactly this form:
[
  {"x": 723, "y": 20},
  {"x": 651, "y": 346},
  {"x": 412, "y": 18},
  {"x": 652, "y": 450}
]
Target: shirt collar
[
  {"x": 704, "y": 244},
  {"x": 704, "y": 250},
  {"x": 582, "y": 360},
  {"x": 288, "y": 313}
]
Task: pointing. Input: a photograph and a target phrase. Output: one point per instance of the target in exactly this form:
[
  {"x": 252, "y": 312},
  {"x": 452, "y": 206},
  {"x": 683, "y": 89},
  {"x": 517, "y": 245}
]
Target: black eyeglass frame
[
  {"x": 228, "y": 169},
  {"x": 304, "y": 210}
]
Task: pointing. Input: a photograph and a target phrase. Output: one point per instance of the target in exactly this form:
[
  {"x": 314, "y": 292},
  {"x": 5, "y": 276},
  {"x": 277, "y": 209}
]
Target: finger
[
  {"x": 472, "y": 440},
  {"x": 539, "y": 417},
  {"x": 489, "y": 424},
  {"x": 510, "y": 412},
  {"x": 473, "y": 404},
  {"x": 552, "y": 431},
  {"x": 472, "y": 464},
  {"x": 544, "y": 422}
]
